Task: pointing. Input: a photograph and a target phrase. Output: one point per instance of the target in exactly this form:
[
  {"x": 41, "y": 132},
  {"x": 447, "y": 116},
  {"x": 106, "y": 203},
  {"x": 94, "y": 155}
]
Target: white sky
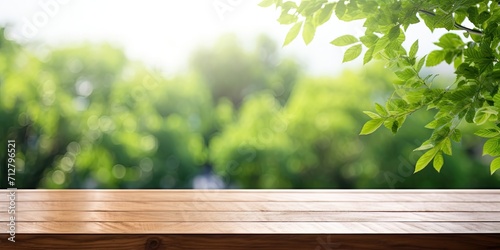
[{"x": 163, "y": 33}]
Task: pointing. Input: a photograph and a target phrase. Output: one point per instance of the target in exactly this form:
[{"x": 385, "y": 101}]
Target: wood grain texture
[
  {"x": 151, "y": 216},
  {"x": 261, "y": 242},
  {"x": 254, "y": 219},
  {"x": 259, "y": 195},
  {"x": 257, "y": 206}
]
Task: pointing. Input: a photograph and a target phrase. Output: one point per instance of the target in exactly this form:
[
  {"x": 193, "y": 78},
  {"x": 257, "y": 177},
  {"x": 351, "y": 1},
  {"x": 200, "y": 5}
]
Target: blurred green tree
[
  {"x": 86, "y": 117},
  {"x": 234, "y": 73}
]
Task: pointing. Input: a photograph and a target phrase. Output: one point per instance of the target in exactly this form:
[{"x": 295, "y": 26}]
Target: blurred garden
[{"x": 87, "y": 116}]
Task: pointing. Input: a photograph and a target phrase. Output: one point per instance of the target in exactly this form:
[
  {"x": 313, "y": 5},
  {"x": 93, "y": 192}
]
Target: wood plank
[
  {"x": 243, "y": 242},
  {"x": 79, "y": 216},
  {"x": 255, "y": 206},
  {"x": 254, "y": 212},
  {"x": 254, "y": 227},
  {"x": 253, "y": 195}
]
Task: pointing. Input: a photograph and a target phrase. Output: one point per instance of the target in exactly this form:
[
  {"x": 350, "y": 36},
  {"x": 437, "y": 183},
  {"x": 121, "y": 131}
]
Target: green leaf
[
  {"x": 483, "y": 17},
  {"x": 372, "y": 115},
  {"x": 395, "y": 127},
  {"x": 425, "y": 159},
  {"x": 352, "y": 53},
  {"x": 368, "y": 55},
  {"x": 444, "y": 21},
  {"x": 380, "y": 109},
  {"x": 446, "y": 146},
  {"x": 288, "y": 5},
  {"x": 325, "y": 13},
  {"x": 496, "y": 99},
  {"x": 438, "y": 161},
  {"x": 460, "y": 17},
  {"x": 428, "y": 20},
  {"x": 467, "y": 71},
  {"x": 292, "y": 33},
  {"x": 415, "y": 96},
  {"x": 286, "y": 18},
  {"x": 425, "y": 145},
  {"x": 420, "y": 64},
  {"x": 396, "y": 104},
  {"x": 388, "y": 123},
  {"x": 457, "y": 61},
  {"x": 472, "y": 15},
  {"x": 394, "y": 32},
  {"x": 369, "y": 40},
  {"x": 469, "y": 116},
  {"x": 312, "y": 8},
  {"x": 344, "y": 40},
  {"x": 405, "y": 74},
  {"x": 450, "y": 41},
  {"x": 401, "y": 120},
  {"x": 488, "y": 133},
  {"x": 481, "y": 117},
  {"x": 414, "y": 49},
  {"x": 495, "y": 165},
  {"x": 340, "y": 10},
  {"x": 440, "y": 134},
  {"x": 492, "y": 147},
  {"x": 456, "y": 135},
  {"x": 381, "y": 44},
  {"x": 308, "y": 31},
  {"x": 266, "y": 3},
  {"x": 431, "y": 125},
  {"x": 462, "y": 93},
  {"x": 434, "y": 58},
  {"x": 371, "y": 125}
]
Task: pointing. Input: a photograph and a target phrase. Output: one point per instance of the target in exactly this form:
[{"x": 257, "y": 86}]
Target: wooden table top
[{"x": 253, "y": 211}]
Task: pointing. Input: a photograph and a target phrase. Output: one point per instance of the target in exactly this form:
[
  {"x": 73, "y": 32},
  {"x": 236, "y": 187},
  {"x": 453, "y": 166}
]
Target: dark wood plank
[{"x": 241, "y": 242}]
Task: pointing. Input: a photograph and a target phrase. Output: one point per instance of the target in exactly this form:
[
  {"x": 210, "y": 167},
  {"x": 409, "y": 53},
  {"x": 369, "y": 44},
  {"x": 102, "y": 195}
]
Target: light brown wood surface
[
  {"x": 254, "y": 211},
  {"x": 439, "y": 215}
]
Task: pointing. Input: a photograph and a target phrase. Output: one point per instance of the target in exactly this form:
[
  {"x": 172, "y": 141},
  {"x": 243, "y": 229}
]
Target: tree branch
[{"x": 455, "y": 24}]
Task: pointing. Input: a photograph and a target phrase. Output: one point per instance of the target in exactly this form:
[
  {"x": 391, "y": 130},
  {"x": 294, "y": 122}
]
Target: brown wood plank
[
  {"x": 243, "y": 242},
  {"x": 250, "y": 212},
  {"x": 254, "y": 227},
  {"x": 254, "y": 206},
  {"x": 254, "y": 195},
  {"x": 79, "y": 216}
]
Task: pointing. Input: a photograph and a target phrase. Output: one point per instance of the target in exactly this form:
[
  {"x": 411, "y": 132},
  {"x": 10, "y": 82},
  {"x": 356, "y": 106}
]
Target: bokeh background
[{"x": 201, "y": 94}]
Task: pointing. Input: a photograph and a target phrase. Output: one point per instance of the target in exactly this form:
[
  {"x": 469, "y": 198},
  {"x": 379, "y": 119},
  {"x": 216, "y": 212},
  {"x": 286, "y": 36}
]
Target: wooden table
[{"x": 253, "y": 219}]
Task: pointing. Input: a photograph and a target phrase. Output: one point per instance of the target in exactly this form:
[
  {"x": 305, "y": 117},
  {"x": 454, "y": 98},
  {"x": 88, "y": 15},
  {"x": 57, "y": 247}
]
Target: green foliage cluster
[
  {"x": 473, "y": 96},
  {"x": 86, "y": 117},
  {"x": 233, "y": 73}
]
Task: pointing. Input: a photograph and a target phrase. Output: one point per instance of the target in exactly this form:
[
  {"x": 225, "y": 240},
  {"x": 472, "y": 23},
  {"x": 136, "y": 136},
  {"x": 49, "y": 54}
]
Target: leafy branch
[
  {"x": 473, "y": 96},
  {"x": 457, "y": 25}
]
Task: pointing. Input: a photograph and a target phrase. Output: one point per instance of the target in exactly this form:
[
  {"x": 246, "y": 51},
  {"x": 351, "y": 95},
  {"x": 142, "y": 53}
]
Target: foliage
[
  {"x": 473, "y": 96},
  {"x": 85, "y": 116},
  {"x": 312, "y": 142},
  {"x": 233, "y": 73}
]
